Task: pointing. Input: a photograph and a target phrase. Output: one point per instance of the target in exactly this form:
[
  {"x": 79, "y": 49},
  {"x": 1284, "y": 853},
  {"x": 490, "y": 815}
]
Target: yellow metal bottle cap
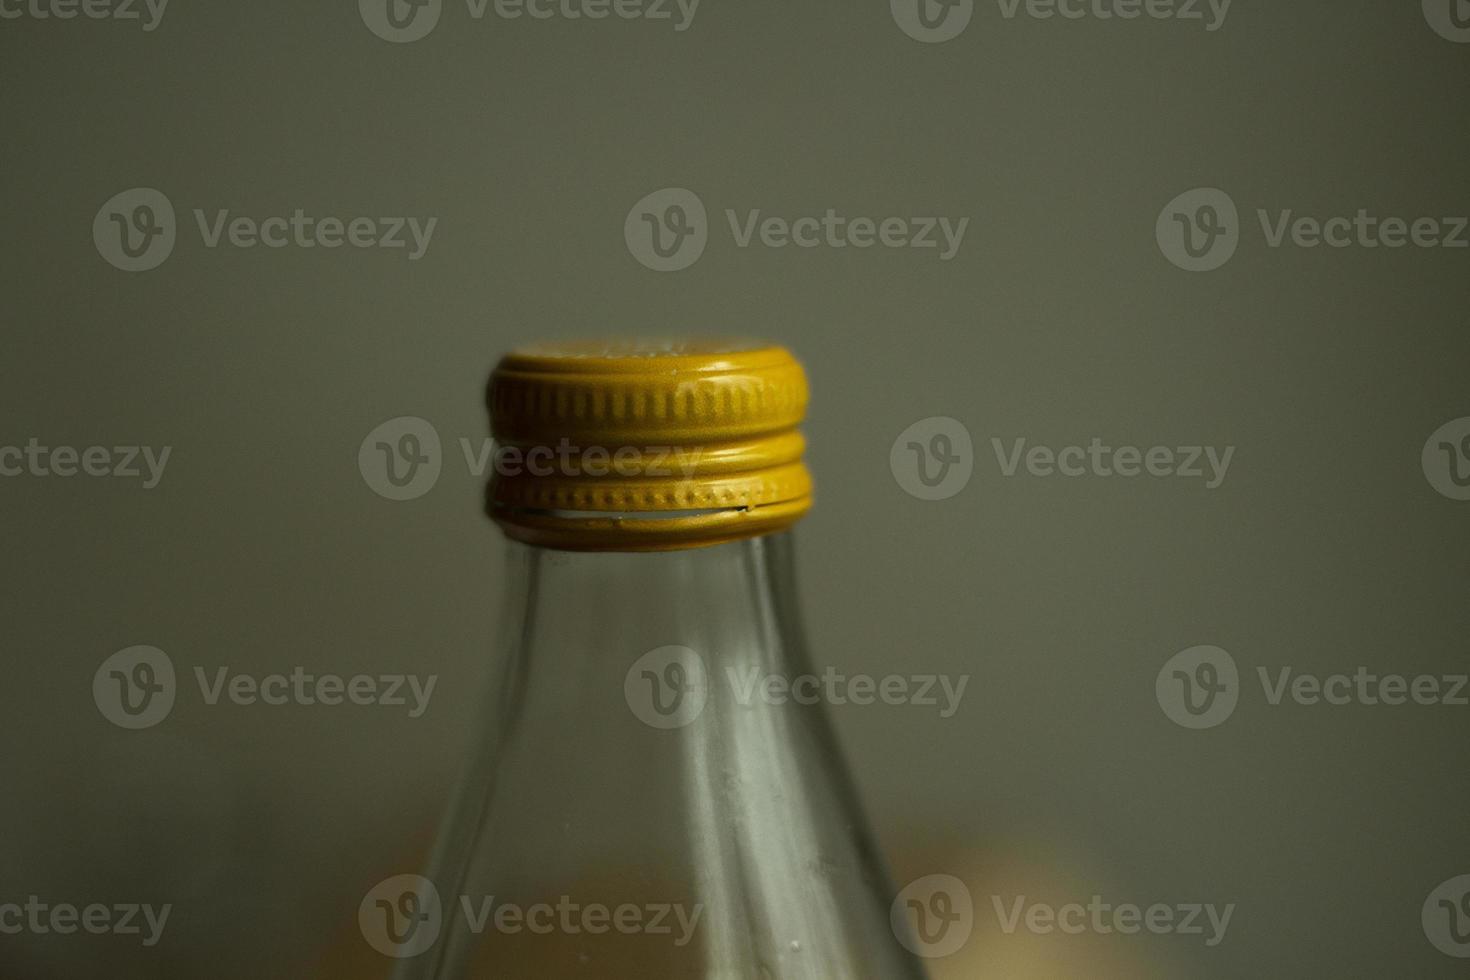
[{"x": 647, "y": 445}]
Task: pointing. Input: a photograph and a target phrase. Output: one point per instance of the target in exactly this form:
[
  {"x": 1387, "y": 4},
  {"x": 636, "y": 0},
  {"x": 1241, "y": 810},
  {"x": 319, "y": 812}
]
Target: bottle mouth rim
[{"x": 661, "y": 530}]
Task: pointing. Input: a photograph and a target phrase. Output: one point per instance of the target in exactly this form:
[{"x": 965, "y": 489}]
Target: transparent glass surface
[{"x": 638, "y": 807}]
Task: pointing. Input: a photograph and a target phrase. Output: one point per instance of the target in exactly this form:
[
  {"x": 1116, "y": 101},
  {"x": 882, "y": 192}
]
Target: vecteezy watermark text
[
  {"x": 937, "y": 21},
  {"x": 1200, "y": 688},
  {"x": 669, "y": 229},
  {"x": 670, "y": 686},
  {"x": 40, "y": 918},
  {"x": 1207, "y": 463},
  {"x": 403, "y": 916},
  {"x": 137, "y": 230},
  {"x": 148, "y": 13},
  {"x": 123, "y": 462},
  {"x": 567, "y": 459},
  {"x": 934, "y": 458},
  {"x": 941, "y": 691},
  {"x": 402, "y": 458},
  {"x": 1102, "y": 918},
  {"x": 934, "y": 916},
  {"x": 137, "y": 687},
  {"x": 1200, "y": 230},
  {"x": 405, "y": 21}
]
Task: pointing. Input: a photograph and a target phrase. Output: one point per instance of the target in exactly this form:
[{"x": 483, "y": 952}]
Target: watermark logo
[
  {"x": 932, "y": 21},
  {"x": 404, "y": 21},
  {"x": 401, "y": 916},
  {"x": 1446, "y": 459},
  {"x": 933, "y": 459},
  {"x": 1450, "y": 19},
  {"x": 1198, "y": 687},
  {"x": 937, "y": 21},
  {"x": 670, "y": 686},
  {"x": 401, "y": 458},
  {"x": 933, "y": 916},
  {"x": 148, "y": 12},
  {"x": 136, "y": 229},
  {"x": 667, "y": 231},
  {"x": 667, "y": 687},
  {"x": 401, "y": 21},
  {"x": 135, "y": 688},
  {"x": 1446, "y": 917},
  {"x": 1199, "y": 230}
]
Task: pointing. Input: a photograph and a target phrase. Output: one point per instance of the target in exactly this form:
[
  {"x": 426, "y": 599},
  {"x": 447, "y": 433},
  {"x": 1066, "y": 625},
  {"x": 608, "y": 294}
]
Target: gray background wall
[{"x": 1326, "y": 548}]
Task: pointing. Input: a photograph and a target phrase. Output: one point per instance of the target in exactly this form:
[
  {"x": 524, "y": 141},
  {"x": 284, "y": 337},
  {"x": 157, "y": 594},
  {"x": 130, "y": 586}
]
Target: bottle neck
[
  {"x": 733, "y": 604},
  {"x": 629, "y": 758}
]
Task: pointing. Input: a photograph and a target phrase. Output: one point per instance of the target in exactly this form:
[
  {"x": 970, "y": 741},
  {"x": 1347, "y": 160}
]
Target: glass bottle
[{"x": 650, "y": 797}]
